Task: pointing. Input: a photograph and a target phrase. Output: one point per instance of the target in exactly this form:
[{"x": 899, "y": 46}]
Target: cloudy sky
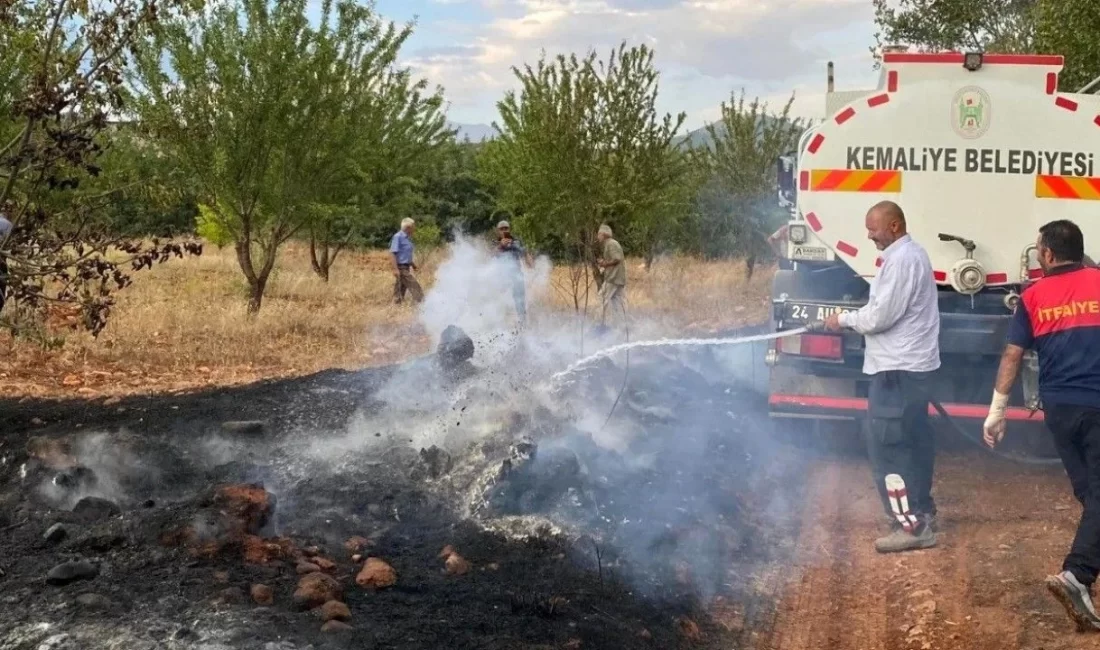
[{"x": 704, "y": 48}]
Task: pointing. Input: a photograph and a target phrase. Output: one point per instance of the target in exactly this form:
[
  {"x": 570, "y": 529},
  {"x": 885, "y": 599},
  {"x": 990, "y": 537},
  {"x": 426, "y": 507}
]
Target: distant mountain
[
  {"x": 701, "y": 137},
  {"x": 474, "y": 132},
  {"x": 697, "y": 138}
]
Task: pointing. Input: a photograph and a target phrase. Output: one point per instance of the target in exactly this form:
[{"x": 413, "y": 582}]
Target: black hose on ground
[
  {"x": 965, "y": 434},
  {"x": 820, "y": 325}
]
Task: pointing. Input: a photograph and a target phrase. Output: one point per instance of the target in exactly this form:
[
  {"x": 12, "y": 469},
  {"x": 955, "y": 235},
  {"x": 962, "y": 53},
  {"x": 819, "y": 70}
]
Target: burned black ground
[{"x": 575, "y": 544}]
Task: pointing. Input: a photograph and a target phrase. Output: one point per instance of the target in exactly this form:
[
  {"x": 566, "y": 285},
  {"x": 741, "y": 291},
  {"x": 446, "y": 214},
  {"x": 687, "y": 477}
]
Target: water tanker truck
[{"x": 979, "y": 151}]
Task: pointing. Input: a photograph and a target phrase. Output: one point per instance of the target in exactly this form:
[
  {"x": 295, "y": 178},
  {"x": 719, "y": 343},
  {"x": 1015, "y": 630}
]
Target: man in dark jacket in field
[
  {"x": 5, "y": 229},
  {"x": 511, "y": 248}
]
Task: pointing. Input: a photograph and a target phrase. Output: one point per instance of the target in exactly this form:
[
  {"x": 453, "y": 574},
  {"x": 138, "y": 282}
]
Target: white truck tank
[{"x": 986, "y": 154}]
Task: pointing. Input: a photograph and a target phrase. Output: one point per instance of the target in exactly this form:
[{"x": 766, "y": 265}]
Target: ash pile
[{"x": 457, "y": 503}]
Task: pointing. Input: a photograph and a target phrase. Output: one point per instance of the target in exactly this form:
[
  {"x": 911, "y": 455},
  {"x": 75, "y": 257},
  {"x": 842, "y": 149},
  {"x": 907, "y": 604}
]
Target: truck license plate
[
  {"x": 811, "y": 253},
  {"x": 804, "y": 312}
]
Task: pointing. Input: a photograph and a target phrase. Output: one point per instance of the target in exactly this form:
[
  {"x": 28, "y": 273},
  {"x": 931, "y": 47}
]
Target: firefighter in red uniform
[{"x": 1059, "y": 316}]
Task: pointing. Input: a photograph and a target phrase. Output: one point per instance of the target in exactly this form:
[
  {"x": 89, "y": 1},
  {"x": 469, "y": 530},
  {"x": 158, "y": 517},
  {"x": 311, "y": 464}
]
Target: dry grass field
[{"x": 183, "y": 325}]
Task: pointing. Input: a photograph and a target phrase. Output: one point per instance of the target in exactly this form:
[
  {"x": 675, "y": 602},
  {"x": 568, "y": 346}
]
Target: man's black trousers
[
  {"x": 900, "y": 438},
  {"x": 1076, "y": 432}
]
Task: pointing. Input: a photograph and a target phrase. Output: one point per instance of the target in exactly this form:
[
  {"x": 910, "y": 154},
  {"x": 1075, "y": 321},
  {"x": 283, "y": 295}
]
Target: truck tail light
[{"x": 822, "y": 346}]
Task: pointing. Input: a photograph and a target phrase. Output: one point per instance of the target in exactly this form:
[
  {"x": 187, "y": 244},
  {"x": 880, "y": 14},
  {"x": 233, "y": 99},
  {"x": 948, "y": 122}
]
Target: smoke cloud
[{"x": 641, "y": 451}]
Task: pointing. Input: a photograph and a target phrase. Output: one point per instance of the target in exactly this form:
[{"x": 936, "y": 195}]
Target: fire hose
[
  {"x": 950, "y": 421},
  {"x": 957, "y": 428},
  {"x": 953, "y": 424}
]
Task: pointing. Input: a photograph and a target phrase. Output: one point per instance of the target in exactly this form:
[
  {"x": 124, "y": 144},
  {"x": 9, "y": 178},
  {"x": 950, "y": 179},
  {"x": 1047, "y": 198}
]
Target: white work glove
[{"x": 994, "y": 428}]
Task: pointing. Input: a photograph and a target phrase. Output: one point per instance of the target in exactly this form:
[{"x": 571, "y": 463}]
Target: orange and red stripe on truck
[
  {"x": 1067, "y": 187},
  {"x": 853, "y": 180}
]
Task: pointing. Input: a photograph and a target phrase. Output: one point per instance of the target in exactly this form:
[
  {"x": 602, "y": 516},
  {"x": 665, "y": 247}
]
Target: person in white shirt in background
[{"x": 901, "y": 326}]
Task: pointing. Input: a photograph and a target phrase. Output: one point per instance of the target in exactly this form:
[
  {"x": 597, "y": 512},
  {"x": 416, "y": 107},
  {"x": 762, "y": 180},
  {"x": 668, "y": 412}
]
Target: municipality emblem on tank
[{"x": 971, "y": 112}]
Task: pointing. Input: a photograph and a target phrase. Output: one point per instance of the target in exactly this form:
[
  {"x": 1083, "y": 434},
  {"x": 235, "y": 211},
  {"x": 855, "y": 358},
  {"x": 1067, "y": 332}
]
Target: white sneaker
[{"x": 1075, "y": 597}]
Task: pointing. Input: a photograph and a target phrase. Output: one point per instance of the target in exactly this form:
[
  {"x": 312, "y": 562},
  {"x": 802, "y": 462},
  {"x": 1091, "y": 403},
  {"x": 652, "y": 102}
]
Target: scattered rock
[
  {"x": 312, "y": 550},
  {"x": 324, "y": 564},
  {"x": 56, "y": 534},
  {"x": 316, "y": 589},
  {"x": 436, "y": 462},
  {"x": 37, "y": 422},
  {"x": 690, "y": 630},
  {"x": 69, "y": 572},
  {"x": 250, "y": 505},
  {"x": 91, "y": 509},
  {"x": 232, "y": 518},
  {"x": 927, "y": 607},
  {"x": 356, "y": 544},
  {"x": 231, "y": 595},
  {"x": 573, "y": 644},
  {"x": 244, "y": 426},
  {"x": 916, "y": 630},
  {"x": 357, "y": 558},
  {"x": 101, "y": 543},
  {"x": 493, "y": 566},
  {"x": 75, "y": 479},
  {"x": 261, "y": 551},
  {"x": 335, "y": 610},
  {"x": 262, "y": 595},
  {"x": 335, "y": 627},
  {"x": 93, "y": 602},
  {"x": 376, "y": 574},
  {"x": 221, "y": 577},
  {"x": 456, "y": 565},
  {"x": 455, "y": 347},
  {"x": 305, "y": 568},
  {"x": 645, "y": 634},
  {"x": 111, "y": 401},
  {"x": 447, "y": 552}
]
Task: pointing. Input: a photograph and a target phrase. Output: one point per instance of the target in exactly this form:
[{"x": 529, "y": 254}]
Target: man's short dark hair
[{"x": 1064, "y": 240}]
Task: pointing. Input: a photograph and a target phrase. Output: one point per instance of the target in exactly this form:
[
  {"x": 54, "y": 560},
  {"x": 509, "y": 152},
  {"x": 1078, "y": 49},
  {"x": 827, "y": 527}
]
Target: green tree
[
  {"x": 581, "y": 143},
  {"x": 391, "y": 135},
  {"x": 1071, "y": 28},
  {"x": 1066, "y": 27},
  {"x": 457, "y": 197},
  {"x": 145, "y": 191},
  {"x": 947, "y": 25},
  {"x": 266, "y": 115},
  {"x": 61, "y": 78},
  {"x": 740, "y": 198}
]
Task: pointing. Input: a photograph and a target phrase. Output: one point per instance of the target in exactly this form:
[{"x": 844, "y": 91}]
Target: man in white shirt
[{"x": 901, "y": 327}]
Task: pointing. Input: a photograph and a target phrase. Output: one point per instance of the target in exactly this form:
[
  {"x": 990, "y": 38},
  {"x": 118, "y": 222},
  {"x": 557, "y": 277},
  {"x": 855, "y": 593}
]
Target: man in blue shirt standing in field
[
  {"x": 401, "y": 246},
  {"x": 512, "y": 249}
]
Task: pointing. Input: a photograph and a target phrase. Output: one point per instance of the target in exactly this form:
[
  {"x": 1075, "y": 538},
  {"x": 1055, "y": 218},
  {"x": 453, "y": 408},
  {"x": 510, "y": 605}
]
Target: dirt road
[{"x": 1003, "y": 528}]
